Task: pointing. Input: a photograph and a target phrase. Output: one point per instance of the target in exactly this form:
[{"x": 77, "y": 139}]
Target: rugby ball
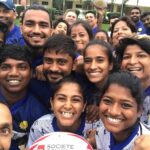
[
  {"x": 100, "y": 3},
  {"x": 61, "y": 141}
]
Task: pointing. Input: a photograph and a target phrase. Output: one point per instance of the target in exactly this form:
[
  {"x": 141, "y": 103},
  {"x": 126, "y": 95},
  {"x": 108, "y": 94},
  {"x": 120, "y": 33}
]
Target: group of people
[{"x": 72, "y": 76}]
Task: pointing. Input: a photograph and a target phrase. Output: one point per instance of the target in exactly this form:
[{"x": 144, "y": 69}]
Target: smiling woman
[
  {"x": 134, "y": 56},
  {"x": 68, "y": 105},
  {"x": 121, "y": 28},
  {"x": 117, "y": 110}
]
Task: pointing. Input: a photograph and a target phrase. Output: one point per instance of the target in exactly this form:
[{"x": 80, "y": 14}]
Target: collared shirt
[{"x": 128, "y": 144}]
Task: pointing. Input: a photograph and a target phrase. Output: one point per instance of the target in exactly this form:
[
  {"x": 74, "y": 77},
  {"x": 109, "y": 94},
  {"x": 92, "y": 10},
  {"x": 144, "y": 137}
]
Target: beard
[
  {"x": 47, "y": 72},
  {"x": 35, "y": 49}
]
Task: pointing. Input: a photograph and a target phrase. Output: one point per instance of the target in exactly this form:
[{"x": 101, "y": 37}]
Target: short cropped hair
[
  {"x": 92, "y": 12},
  {"x": 36, "y": 7},
  {"x": 136, "y": 8},
  {"x": 61, "y": 44},
  {"x": 16, "y": 52},
  {"x": 145, "y": 14}
]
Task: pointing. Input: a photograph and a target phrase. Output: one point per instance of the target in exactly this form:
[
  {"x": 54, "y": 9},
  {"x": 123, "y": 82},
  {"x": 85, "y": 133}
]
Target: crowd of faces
[{"x": 36, "y": 28}]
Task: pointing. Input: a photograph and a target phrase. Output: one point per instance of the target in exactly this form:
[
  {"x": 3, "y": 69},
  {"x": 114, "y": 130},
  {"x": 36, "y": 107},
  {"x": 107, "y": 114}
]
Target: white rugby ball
[{"x": 61, "y": 141}]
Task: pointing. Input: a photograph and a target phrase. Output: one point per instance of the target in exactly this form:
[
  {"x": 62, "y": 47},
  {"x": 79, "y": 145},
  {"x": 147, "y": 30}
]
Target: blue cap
[{"x": 8, "y": 3}]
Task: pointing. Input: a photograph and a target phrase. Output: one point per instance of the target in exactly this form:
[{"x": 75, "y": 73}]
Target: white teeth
[
  {"x": 14, "y": 82},
  {"x": 36, "y": 37},
  {"x": 114, "y": 120},
  {"x": 94, "y": 73},
  {"x": 134, "y": 69},
  {"x": 67, "y": 114}
]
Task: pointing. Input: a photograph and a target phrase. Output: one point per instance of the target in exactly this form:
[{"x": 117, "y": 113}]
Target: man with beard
[
  {"x": 135, "y": 15},
  {"x": 36, "y": 28},
  {"x": 145, "y": 17},
  {"x": 58, "y": 60},
  {"x": 7, "y": 16},
  {"x": 59, "y": 54}
]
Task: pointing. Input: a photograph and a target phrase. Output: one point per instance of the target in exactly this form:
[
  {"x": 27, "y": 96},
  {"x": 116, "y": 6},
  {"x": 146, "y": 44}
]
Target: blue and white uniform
[
  {"x": 105, "y": 140},
  {"x": 24, "y": 113},
  {"x": 48, "y": 124},
  {"x": 146, "y": 106}
]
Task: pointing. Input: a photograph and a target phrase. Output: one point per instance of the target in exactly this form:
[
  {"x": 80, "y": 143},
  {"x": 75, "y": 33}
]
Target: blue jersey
[
  {"x": 41, "y": 90},
  {"x": 94, "y": 30},
  {"x": 15, "y": 36},
  {"x": 48, "y": 124},
  {"x": 147, "y": 31},
  {"x": 24, "y": 113},
  {"x": 105, "y": 140},
  {"x": 140, "y": 27}
]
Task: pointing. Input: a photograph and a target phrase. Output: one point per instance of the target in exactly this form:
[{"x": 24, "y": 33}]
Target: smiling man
[
  {"x": 7, "y": 16},
  {"x": 135, "y": 15},
  {"x": 36, "y": 28},
  {"x": 15, "y": 74}
]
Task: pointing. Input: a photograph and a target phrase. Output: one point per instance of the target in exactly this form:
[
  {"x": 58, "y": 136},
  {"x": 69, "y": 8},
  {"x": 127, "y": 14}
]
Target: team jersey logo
[{"x": 23, "y": 125}]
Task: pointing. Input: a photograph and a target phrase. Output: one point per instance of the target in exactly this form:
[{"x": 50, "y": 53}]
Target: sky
[{"x": 145, "y": 3}]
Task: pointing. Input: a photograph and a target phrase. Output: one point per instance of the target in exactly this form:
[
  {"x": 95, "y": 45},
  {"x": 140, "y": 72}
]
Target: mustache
[
  {"x": 46, "y": 72},
  {"x": 41, "y": 35}
]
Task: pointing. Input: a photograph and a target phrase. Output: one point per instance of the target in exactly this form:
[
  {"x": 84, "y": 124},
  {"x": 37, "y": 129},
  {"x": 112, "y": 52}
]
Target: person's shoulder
[
  {"x": 46, "y": 117},
  {"x": 145, "y": 128},
  {"x": 43, "y": 120}
]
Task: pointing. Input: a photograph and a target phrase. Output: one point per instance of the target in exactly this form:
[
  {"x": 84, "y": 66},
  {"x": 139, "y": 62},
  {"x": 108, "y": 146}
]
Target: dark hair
[
  {"x": 136, "y": 8},
  {"x": 92, "y": 12},
  {"x": 61, "y": 43},
  {"x": 4, "y": 29},
  {"x": 104, "y": 44},
  {"x": 127, "y": 80},
  {"x": 85, "y": 25},
  {"x": 61, "y": 20},
  {"x": 145, "y": 14},
  {"x": 36, "y": 7},
  {"x": 16, "y": 52},
  {"x": 113, "y": 15},
  {"x": 105, "y": 32},
  {"x": 143, "y": 43},
  {"x": 69, "y": 79},
  {"x": 128, "y": 21}
]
